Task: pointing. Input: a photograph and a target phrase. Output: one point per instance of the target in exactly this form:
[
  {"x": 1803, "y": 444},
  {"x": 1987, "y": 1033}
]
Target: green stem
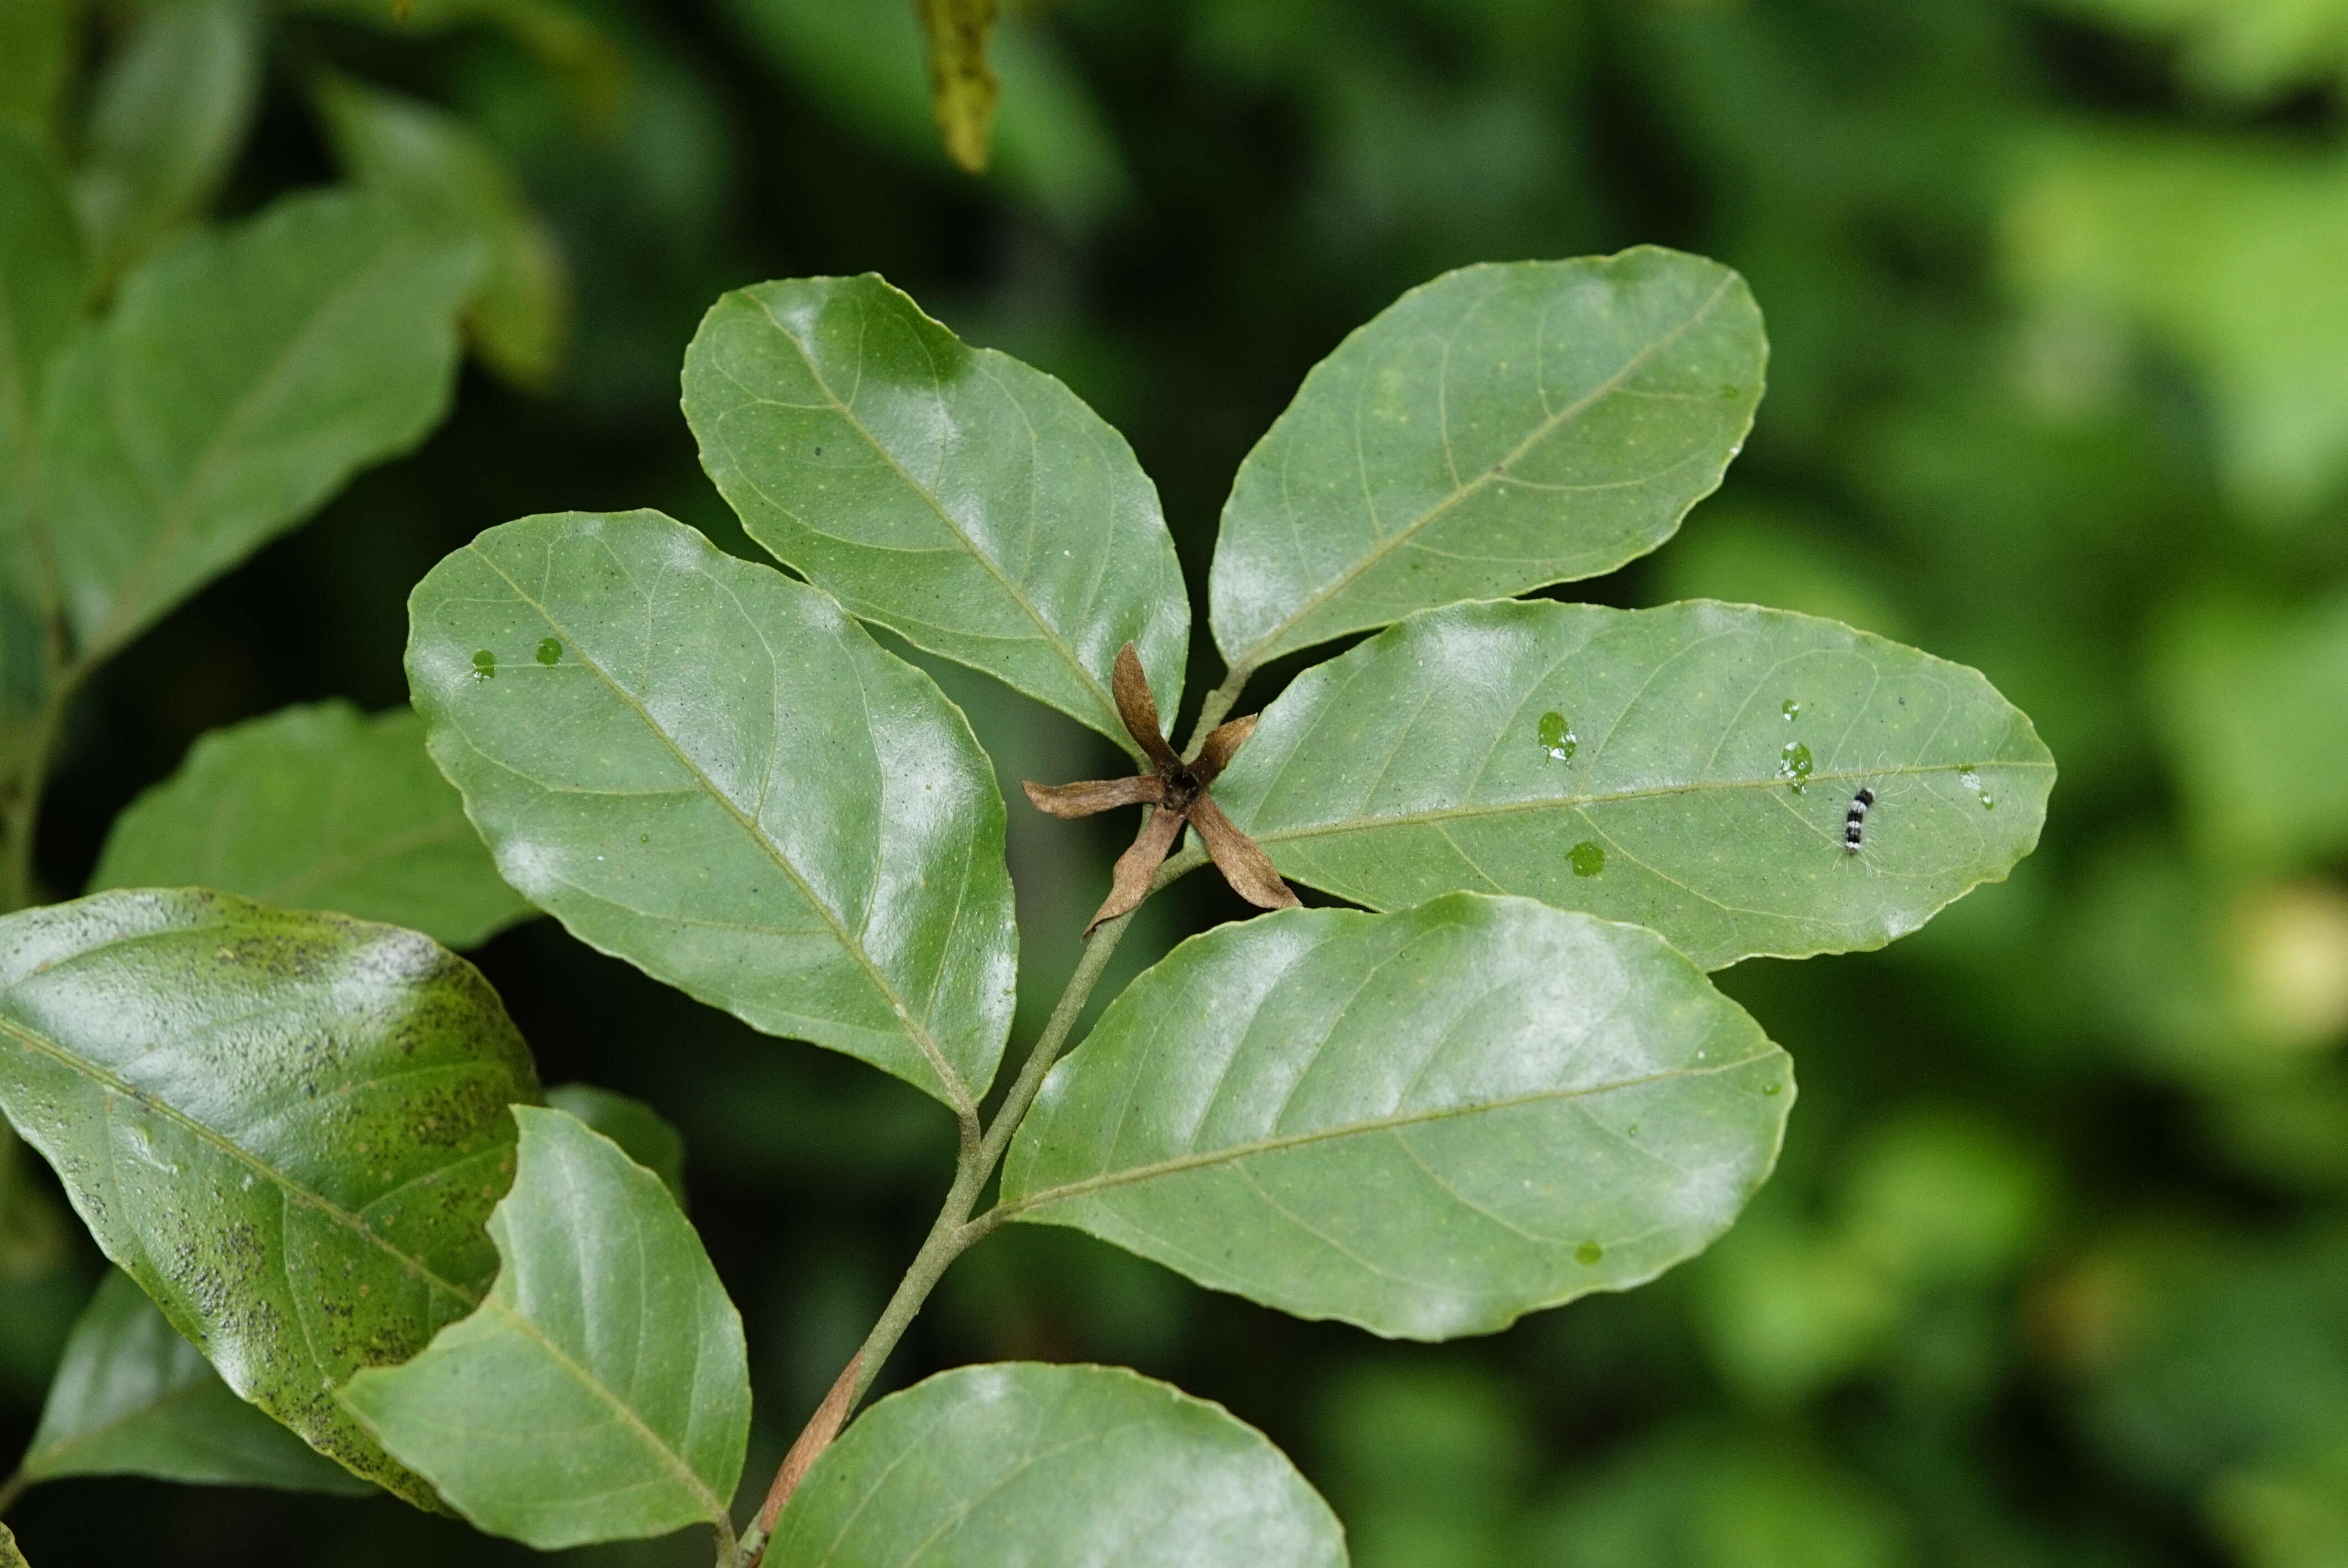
[
  {"x": 1217, "y": 704},
  {"x": 22, "y": 820}
]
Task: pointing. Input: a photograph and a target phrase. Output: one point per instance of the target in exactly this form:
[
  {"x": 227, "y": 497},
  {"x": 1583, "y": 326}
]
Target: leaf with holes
[
  {"x": 1054, "y": 1467},
  {"x": 972, "y": 505},
  {"x": 1691, "y": 768},
  {"x": 601, "y": 1392},
  {"x": 1427, "y": 1123},
  {"x": 242, "y": 378},
  {"x": 133, "y": 1397},
  {"x": 1504, "y": 426},
  {"x": 287, "y": 1128},
  {"x": 706, "y": 769},
  {"x": 318, "y": 808}
]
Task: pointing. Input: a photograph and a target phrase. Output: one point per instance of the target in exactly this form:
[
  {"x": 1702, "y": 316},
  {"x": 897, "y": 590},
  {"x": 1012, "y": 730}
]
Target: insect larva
[{"x": 1854, "y": 820}]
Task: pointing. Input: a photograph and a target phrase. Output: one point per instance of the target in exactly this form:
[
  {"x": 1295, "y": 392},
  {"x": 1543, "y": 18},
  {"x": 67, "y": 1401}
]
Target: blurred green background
[{"x": 2055, "y": 1269}]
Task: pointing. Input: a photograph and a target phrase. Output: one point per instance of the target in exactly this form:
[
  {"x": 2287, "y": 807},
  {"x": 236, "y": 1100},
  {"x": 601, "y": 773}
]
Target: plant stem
[
  {"x": 22, "y": 822},
  {"x": 1218, "y": 702}
]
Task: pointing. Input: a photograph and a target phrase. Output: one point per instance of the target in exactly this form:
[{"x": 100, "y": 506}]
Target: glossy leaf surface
[
  {"x": 601, "y": 1391},
  {"x": 318, "y": 808},
  {"x": 287, "y": 1128},
  {"x": 643, "y": 1134},
  {"x": 1504, "y": 426},
  {"x": 1427, "y": 1123},
  {"x": 134, "y": 1398},
  {"x": 706, "y": 769},
  {"x": 1688, "y": 768},
  {"x": 242, "y": 378},
  {"x": 453, "y": 181},
  {"x": 971, "y": 504},
  {"x": 1054, "y": 1467}
]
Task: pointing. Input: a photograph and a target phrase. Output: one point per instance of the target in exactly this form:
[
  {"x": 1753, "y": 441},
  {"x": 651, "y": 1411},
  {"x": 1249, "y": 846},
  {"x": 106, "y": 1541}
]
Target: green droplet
[
  {"x": 1586, "y": 858},
  {"x": 1555, "y": 738},
  {"x": 1988, "y": 802},
  {"x": 550, "y": 651},
  {"x": 1790, "y": 709},
  {"x": 484, "y": 665},
  {"x": 1771, "y": 1088},
  {"x": 644, "y": 838},
  {"x": 1731, "y": 393},
  {"x": 1588, "y": 1253},
  {"x": 1794, "y": 765}
]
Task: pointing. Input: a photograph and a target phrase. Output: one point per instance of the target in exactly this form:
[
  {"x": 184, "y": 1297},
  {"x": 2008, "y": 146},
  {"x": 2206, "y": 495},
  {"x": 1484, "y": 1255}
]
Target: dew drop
[
  {"x": 1588, "y": 1253},
  {"x": 484, "y": 665},
  {"x": 1559, "y": 741},
  {"x": 1587, "y": 859},
  {"x": 550, "y": 651},
  {"x": 1771, "y": 1088},
  {"x": 1989, "y": 802},
  {"x": 1791, "y": 709},
  {"x": 1794, "y": 765}
]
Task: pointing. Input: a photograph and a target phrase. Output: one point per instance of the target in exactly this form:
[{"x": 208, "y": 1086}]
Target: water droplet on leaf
[
  {"x": 1989, "y": 802},
  {"x": 1587, "y": 859},
  {"x": 1588, "y": 1253},
  {"x": 484, "y": 665},
  {"x": 1790, "y": 709},
  {"x": 550, "y": 651},
  {"x": 1559, "y": 741},
  {"x": 1794, "y": 765},
  {"x": 1771, "y": 1088}
]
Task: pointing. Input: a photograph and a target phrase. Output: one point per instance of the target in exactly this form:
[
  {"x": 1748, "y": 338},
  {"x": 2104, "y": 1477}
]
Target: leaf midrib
[
  {"x": 1101, "y": 699},
  {"x": 1548, "y": 426},
  {"x": 1233, "y": 1152},
  {"x": 948, "y": 1077}
]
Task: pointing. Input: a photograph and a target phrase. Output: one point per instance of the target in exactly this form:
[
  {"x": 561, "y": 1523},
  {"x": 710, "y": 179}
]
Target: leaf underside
[
  {"x": 601, "y": 1392},
  {"x": 696, "y": 765},
  {"x": 1054, "y": 1467},
  {"x": 1643, "y": 765},
  {"x": 287, "y": 1128},
  {"x": 1424, "y": 1123}
]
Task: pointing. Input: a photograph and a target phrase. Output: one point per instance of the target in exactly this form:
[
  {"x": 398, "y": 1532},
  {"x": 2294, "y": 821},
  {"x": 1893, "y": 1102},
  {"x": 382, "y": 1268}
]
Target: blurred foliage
[{"x": 2055, "y": 1272}]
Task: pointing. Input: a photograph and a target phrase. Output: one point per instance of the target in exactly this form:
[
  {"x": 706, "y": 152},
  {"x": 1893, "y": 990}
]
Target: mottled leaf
[
  {"x": 972, "y": 505},
  {"x": 287, "y": 1128},
  {"x": 1688, "y": 768},
  {"x": 167, "y": 119},
  {"x": 962, "y": 89},
  {"x": 643, "y": 1134},
  {"x": 1054, "y": 1467},
  {"x": 133, "y": 1398},
  {"x": 601, "y": 1392},
  {"x": 318, "y": 808},
  {"x": 244, "y": 375},
  {"x": 1427, "y": 1123},
  {"x": 10, "y": 1557},
  {"x": 706, "y": 769},
  {"x": 1504, "y": 426},
  {"x": 441, "y": 171}
]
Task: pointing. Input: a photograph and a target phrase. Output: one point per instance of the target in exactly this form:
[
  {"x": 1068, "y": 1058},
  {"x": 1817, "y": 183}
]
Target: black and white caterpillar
[{"x": 1854, "y": 822}]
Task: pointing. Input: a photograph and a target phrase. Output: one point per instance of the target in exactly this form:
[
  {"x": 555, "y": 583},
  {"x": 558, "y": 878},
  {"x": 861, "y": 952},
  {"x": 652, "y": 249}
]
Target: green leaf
[
  {"x": 287, "y": 1128},
  {"x": 318, "y": 808},
  {"x": 38, "y": 41},
  {"x": 441, "y": 171},
  {"x": 601, "y": 1392},
  {"x": 133, "y": 1398},
  {"x": 967, "y": 502},
  {"x": 243, "y": 377},
  {"x": 1643, "y": 765},
  {"x": 1054, "y": 1467},
  {"x": 1504, "y": 426},
  {"x": 643, "y": 1134},
  {"x": 1427, "y": 1123},
  {"x": 40, "y": 304},
  {"x": 2241, "y": 50},
  {"x": 704, "y": 768},
  {"x": 169, "y": 115},
  {"x": 10, "y": 1557},
  {"x": 963, "y": 88}
]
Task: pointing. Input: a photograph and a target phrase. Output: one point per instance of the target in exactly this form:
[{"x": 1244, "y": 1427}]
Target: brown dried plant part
[{"x": 1176, "y": 793}]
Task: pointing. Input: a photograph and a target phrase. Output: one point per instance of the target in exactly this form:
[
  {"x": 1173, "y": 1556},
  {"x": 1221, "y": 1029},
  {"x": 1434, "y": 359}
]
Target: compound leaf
[
  {"x": 704, "y": 768},
  {"x": 244, "y": 376},
  {"x": 601, "y": 1391},
  {"x": 1427, "y": 1123},
  {"x": 1503, "y": 427},
  {"x": 971, "y": 504},
  {"x": 1054, "y": 1467},
  {"x": 287, "y": 1128},
  {"x": 133, "y": 1397},
  {"x": 1687, "y": 768},
  {"x": 318, "y": 808}
]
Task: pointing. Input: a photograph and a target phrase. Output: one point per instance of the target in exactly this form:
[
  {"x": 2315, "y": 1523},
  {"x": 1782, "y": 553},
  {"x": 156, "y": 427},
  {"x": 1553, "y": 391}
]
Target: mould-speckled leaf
[
  {"x": 133, "y": 1397},
  {"x": 1687, "y": 768},
  {"x": 601, "y": 1392},
  {"x": 706, "y": 769},
  {"x": 318, "y": 808},
  {"x": 288, "y": 1128},
  {"x": 1054, "y": 1467},
  {"x": 971, "y": 504},
  {"x": 1425, "y": 1123},
  {"x": 1504, "y": 426},
  {"x": 241, "y": 377}
]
